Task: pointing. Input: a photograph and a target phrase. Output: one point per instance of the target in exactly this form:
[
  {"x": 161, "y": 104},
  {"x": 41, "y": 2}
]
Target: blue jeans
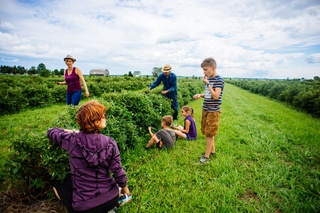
[
  {"x": 74, "y": 98},
  {"x": 174, "y": 104}
]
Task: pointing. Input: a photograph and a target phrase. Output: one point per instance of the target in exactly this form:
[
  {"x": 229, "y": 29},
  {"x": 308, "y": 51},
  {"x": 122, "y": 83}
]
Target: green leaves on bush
[
  {"x": 134, "y": 112},
  {"x": 20, "y": 92},
  {"x": 34, "y": 161}
]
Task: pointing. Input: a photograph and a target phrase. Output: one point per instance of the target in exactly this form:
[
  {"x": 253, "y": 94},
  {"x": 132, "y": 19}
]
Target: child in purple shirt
[{"x": 189, "y": 131}]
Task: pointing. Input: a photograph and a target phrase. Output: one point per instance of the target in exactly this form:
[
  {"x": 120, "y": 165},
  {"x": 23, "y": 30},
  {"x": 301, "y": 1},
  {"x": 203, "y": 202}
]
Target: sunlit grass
[{"x": 267, "y": 160}]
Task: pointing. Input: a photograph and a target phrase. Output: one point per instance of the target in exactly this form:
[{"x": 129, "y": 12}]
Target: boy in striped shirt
[{"x": 214, "y": 85}]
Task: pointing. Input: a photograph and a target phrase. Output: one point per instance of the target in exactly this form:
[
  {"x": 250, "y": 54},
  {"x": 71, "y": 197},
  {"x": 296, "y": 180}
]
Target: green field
[{"x": 268, "y": 160}]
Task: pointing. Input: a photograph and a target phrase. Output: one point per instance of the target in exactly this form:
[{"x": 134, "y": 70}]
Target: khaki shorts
[{"x": 210, "y": 123}]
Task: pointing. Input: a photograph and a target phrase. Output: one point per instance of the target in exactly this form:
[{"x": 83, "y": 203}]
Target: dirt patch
[
  {"x": 249, "y": 195},
  {"x": 13, "y": 202}
]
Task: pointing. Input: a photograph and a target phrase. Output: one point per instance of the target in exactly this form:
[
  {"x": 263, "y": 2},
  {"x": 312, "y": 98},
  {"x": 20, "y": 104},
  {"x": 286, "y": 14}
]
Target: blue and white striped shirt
[{"x": 210, "y": 104}]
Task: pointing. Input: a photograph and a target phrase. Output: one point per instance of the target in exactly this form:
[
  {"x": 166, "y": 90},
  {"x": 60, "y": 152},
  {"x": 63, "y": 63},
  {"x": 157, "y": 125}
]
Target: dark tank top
[{"x": 72, "y": 80}]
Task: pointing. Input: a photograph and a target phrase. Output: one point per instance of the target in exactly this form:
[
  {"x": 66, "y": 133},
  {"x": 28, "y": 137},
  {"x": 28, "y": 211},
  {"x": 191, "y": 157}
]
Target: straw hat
[
  {"x": 166, "y": 68},
  {"x": 69, "y": 57}
]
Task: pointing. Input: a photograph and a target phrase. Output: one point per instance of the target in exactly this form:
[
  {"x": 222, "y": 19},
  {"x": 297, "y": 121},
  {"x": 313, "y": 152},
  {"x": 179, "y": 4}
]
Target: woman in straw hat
[
  {"x": 72, "y": 78},
  {"x": 169, "y": 80}
]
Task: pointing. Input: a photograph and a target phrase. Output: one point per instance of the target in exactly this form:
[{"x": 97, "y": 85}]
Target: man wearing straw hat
[{"x": 169, "y": 80}]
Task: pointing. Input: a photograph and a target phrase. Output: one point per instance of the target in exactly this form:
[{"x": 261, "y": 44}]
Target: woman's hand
[
  {"x": 71, "y": 131},
  {"x": 125, "y": 190}
]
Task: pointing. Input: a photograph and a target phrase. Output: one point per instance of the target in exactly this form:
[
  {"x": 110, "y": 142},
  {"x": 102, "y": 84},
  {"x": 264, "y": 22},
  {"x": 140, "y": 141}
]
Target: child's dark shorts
[{"x": 210, "y": 123}]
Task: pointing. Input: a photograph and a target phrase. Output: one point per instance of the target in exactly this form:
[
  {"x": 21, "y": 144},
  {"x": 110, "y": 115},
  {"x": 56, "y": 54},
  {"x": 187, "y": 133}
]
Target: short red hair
[{"x": 88, "y": 114}]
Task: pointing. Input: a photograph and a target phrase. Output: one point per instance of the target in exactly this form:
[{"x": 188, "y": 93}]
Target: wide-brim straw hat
[
  {"x": 166, "y": 68},
  {"x": 69, "y": 57}
]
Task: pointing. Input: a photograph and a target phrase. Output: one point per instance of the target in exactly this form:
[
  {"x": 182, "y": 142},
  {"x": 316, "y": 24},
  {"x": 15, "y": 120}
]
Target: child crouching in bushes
[{"x": 164, "y": 138}]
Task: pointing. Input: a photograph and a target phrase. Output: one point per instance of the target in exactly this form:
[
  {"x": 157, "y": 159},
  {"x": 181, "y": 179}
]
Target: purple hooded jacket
[{"x": 92, "y": 158}]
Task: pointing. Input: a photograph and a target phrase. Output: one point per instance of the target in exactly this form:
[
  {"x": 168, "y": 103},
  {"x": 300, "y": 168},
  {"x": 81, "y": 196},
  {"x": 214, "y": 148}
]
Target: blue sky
[{"x": 248, "y": 38}]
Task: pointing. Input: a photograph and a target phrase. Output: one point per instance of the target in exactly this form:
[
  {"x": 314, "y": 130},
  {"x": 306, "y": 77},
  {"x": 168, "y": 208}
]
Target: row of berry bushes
[
  {"x": 304, "y": 95},
  {"x": 21, "y": 92},
  {"x": 34, "y": 161}
]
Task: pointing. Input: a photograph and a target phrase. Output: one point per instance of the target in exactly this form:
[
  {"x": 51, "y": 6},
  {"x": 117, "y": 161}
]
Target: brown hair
[
  {"x": 167, "y": 119},
  {"x": 209, "y": 62},
  {"x": 88, "y": 114},
  {"x": 189, "y": 110}
]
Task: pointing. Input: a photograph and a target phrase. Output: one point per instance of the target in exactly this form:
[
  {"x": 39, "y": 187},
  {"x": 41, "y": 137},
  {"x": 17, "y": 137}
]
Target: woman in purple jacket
[
  {"x": 93, "y": 157},
  {"x": 72, "y": 78}
]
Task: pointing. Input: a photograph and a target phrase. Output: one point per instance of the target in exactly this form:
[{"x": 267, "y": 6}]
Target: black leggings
[{"x": 64, "y": 190}]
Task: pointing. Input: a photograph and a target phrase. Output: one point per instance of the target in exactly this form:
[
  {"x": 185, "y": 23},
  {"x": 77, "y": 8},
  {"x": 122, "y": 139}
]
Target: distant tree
[
  {"x": 21, "y": 70},
  {"x": 316, "y": 78},
  {"x": 41, "y": 67},
  {"x": 130, "y": 74},
  {"x": 56, "y": 72},
  {"x": 45, "y": 73},
  {"x": 32, "y": 71},
  {"x": 61, "y": 71},
  {"x": 156, "y": 71},
  {"x": 14, "y": 70},
  {"x": 5, "y": 69}
]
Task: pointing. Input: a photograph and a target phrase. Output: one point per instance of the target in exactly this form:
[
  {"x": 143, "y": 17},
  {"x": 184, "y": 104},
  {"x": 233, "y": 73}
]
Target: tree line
[{"x": 41, "y": 70}]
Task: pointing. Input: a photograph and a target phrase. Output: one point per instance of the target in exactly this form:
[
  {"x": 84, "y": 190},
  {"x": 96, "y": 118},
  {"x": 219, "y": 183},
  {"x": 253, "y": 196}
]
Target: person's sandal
[{"x": 123, "y": 199}]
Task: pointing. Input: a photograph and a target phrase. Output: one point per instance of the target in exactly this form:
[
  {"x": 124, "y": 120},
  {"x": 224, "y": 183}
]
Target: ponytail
[{"x": 189, "y": 110}]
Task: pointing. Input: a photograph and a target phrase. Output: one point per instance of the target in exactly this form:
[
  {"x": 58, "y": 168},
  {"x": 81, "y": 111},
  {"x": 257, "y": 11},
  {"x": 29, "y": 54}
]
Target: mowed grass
[{"x": 267, "y": 161}]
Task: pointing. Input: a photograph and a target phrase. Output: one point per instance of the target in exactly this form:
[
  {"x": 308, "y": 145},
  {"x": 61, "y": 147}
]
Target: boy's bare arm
[
  {"x": 150, "y": 132},
  {"x": 215, "y": 92}
]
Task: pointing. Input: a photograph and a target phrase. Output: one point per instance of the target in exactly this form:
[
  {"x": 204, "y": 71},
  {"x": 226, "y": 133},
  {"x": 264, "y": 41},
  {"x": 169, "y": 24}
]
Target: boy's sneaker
[
  {"x": 212, "y": 155},
  {"x": 203, "y": 160},
  {"x": 123, "y": 199}
]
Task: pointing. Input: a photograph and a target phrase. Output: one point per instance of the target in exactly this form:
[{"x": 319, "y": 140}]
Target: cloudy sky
[{"x": 248, "y": 38}]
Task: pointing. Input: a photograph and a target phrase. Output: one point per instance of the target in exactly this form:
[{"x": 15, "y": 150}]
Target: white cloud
[
  {"x": 313, "y": 58},
  {"x": 247, "y": 38}
]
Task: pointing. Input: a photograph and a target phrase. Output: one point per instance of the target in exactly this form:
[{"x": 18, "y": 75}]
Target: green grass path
[{"x": 267, "y": 161}]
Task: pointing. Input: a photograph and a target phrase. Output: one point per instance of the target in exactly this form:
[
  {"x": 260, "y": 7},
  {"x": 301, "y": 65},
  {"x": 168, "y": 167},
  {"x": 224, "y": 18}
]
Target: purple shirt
[
  {"x": 92, "y": 158},
  {"x": 72, "y": 80},
  {"x": 192, "y": 134}
]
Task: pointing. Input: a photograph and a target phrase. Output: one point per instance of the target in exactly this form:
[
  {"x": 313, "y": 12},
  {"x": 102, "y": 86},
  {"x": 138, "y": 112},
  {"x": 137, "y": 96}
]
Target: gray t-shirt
[{"x": 167, "y": 137}]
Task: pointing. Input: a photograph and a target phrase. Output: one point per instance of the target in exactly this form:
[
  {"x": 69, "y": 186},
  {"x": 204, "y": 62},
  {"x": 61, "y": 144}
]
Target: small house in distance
[
  {"x": 136, "y": 73},
  {"x": 99, "y": 72}
]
